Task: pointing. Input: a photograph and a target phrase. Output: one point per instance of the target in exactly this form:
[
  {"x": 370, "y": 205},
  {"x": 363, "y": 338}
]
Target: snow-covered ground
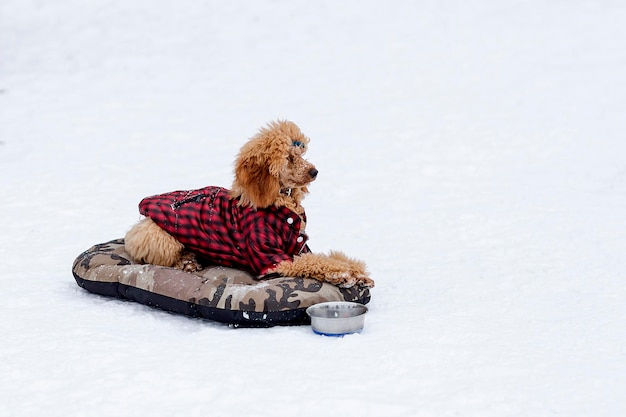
[{"x": 472, "y": 152}]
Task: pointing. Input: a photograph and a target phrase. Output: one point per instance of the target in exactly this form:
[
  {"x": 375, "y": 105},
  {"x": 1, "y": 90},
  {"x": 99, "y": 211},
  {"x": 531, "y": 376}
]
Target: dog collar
[{"x": 285, "y": 191}]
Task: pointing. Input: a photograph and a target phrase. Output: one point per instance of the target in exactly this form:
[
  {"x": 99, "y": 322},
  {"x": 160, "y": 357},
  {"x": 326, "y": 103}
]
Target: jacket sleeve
[{"x": 265, "y": 247}]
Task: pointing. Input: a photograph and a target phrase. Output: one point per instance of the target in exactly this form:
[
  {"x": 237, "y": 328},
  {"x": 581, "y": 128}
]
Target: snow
[{"x": 472, "y": 153}]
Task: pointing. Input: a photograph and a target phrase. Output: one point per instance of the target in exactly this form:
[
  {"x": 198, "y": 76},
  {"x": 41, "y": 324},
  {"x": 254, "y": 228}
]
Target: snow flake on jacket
[{"x": 207, "y": 221}]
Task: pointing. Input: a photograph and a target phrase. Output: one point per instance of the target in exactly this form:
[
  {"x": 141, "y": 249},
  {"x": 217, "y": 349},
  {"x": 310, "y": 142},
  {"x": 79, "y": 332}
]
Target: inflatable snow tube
[{"x": 216, "y": 293}]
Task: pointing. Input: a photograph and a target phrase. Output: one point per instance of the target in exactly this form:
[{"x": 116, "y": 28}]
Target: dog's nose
[{"x": 313, "y": 172}]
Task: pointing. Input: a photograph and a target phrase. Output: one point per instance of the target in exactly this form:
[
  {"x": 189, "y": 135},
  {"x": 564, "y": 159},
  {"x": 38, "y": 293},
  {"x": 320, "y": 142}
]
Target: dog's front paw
[
  {"x": 365, "y": 282},
  {"x": 361, "y": 281},
  {"x": 356, "y": 270},
  {"x": 336, "y": 269},
  {"x": 345, "y": 275}
]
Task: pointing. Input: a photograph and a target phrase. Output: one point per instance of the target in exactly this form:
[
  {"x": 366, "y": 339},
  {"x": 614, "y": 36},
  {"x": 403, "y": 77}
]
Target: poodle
[{"x": 258, "y": 225}]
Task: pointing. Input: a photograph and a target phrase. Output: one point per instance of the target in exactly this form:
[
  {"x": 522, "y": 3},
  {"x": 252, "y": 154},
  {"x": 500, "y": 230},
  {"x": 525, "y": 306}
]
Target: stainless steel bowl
[{"x": 336, "y": 318}]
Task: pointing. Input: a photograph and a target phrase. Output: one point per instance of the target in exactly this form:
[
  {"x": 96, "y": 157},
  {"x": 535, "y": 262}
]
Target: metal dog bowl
[{"x": 336, "y": 318}]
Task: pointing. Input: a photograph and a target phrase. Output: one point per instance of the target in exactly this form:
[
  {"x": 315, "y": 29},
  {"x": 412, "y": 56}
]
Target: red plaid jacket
[{"x": 207, "y": 221}]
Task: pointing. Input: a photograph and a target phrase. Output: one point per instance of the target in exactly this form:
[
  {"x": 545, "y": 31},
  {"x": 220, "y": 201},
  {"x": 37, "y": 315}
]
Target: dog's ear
[
  {"x": 255, "y": 184},
  {"x": 261, "y": 162}
]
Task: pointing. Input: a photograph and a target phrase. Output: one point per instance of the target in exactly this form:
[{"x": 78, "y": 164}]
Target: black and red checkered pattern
[{"x": 209, "y": 222}]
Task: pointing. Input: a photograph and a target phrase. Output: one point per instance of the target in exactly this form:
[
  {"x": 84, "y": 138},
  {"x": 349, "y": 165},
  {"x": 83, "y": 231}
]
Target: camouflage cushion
[{"x": 217, "y": 293}]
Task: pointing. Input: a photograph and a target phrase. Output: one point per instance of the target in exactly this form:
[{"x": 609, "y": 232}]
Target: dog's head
[{"x": 271, "y": 165}]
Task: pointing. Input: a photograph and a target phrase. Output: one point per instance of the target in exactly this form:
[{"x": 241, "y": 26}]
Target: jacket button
[
  {"x": 299, "y": 239},
  {"x": 289, "y": 220}
]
